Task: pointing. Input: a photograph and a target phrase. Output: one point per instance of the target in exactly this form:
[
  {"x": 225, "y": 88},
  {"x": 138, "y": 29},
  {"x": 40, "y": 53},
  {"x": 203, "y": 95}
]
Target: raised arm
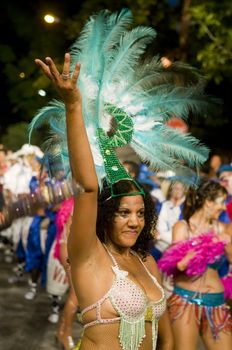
[{"x": 82, "y": 239}]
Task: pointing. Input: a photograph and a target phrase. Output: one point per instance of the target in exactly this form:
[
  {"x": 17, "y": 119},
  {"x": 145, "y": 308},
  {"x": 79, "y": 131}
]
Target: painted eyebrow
[{"x": 126, "y": 208}]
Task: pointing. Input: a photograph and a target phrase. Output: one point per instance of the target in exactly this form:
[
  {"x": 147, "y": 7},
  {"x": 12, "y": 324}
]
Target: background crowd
[{"x": 36, "y": 202}]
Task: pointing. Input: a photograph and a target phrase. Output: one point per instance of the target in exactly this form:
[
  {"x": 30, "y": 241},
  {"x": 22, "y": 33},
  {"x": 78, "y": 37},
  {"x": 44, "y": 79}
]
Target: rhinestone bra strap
[
  {"x": 149, "y": 273},
  {"x": 112, "y": 257}
]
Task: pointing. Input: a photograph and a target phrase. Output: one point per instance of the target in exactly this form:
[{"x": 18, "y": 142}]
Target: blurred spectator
[
  {"x": 132, "y": 168},
  {"x": 225, "y": 178},
  {"x": 215, "y": 162},
  {"x": 20, "y": 171},
  {"x": 3, "y": 168},
  {"x": 170, "y": 213}
]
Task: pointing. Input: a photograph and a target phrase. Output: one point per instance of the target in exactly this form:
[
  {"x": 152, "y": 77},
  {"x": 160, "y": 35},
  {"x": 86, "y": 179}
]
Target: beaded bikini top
[{"x": 133, "y": 307}]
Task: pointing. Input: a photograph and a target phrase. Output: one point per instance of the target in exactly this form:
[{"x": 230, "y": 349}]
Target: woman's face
[
  {"x": 128, "y": 221},
  {"x": 216, "y": 207},
  {"x": 177, "y": 191},
  {"x": 215, "y": 162},
  {"x": 226, "y": 181}
]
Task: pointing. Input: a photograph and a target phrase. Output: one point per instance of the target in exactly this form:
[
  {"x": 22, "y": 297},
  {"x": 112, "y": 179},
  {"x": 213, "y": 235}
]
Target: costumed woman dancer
[
  {"x": 63, "y": 222},
  {"x": 116, "y": 281},
  {"x": 200, "y": 244}
]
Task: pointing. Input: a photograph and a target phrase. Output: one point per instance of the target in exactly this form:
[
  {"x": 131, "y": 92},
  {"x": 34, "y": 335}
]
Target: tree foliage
[
  {"x": 16, "y": 135},
  {"x": 212, "y": 25}
]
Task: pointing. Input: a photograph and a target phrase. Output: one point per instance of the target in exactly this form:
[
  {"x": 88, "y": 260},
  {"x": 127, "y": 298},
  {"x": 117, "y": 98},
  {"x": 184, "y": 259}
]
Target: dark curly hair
[
  {"x": 195, "y": 199},
  {"x": 107, "y": 207}
]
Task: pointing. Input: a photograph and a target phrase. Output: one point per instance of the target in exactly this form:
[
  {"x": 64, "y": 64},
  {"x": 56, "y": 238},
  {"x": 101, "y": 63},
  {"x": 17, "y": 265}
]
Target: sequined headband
[{"x": 115, "y": 171}]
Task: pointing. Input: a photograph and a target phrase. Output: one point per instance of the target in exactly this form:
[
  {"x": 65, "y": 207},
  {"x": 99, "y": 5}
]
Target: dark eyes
[
  {"x": 123, "y": 212},
  {"x": 126, "y": 213},
  {"x": 141, "y": 214}
]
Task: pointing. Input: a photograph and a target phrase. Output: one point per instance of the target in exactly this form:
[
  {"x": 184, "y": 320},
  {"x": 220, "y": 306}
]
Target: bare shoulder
[
  {"x": 221, "y": 227},
  {"x": 224, "y": 233},
  {"x": 228, "y": 229},
  {"x": 180, "y": 231}
]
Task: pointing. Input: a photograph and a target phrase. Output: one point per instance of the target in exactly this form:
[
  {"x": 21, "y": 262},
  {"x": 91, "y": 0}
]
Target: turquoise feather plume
[
  {"x": 114, "y": 72},
  {"x": 169, "y": 148}
]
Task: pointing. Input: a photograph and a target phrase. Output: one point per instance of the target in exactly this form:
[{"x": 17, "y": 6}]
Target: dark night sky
[
  {"x": 35, "y": 10},
  {"x": 65, "y": 9}
]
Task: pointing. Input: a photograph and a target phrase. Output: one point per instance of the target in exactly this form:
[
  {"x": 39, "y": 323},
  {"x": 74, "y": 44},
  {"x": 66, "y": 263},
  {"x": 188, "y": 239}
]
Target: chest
[
  {"x": 138, "y": 281},
  {"x": 131, "y": 301}
]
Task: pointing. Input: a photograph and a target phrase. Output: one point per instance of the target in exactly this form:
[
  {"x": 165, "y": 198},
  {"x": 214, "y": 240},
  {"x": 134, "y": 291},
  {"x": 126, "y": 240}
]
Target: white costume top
[
  {"x": 169, "y": 215},
  {"x": 17, "y": 178}
]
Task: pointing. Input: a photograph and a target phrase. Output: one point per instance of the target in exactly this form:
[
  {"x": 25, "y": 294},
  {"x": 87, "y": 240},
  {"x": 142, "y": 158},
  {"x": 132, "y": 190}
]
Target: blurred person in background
[
  {"x": 3, "y": 168},
  {"x": 214, "y": 163},
  {"x": 171, "y": 211},
  {"x": 200, "y": 244},
  {"x": 149, "y": 180},
  {"x": 63, "y": 221},
  {"x": 16, "y": 188},
  {"x": 225, "y": 178},
  {"x": 132, "y": 168}
]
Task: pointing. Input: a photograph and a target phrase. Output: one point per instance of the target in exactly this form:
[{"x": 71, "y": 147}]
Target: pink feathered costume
[
  {"x": 209, "y": 309},
  {"x": 62, "y": 217}
]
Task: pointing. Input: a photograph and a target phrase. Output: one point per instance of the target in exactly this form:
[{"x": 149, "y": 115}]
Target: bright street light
[
  {"x": 49, "y": 18},
  {"x": 42, "y": 93}
]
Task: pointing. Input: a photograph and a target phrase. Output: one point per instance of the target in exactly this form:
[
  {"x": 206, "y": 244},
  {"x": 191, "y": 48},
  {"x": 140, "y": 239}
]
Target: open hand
[{"x": 64, "y": 83}]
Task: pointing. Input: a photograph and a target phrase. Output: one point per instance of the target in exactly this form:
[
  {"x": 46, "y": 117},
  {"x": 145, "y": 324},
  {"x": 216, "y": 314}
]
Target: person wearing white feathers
[{"x": 116, "y": 281}]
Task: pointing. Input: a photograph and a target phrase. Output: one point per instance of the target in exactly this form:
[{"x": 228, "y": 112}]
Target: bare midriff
[
  {"x": 209, "y": 282},
  {"x": 105, "y": 337}
]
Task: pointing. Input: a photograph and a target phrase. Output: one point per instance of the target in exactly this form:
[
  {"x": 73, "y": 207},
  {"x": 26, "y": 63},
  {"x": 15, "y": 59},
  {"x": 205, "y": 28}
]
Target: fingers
[
  {"x": 50, "y": 70},
  {"x": 66, "y": 67},
  {"x": 44, "y": 68},
  {"x": 76, "y": 73},
  {"x": 54, "y": 72}
]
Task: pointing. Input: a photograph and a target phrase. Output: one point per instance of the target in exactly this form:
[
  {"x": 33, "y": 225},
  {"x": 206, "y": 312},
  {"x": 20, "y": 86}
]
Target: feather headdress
[{"x": 140, "y": 96}]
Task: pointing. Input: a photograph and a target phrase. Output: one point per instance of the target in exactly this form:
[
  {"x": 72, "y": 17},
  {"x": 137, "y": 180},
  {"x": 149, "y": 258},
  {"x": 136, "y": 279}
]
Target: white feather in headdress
[{"x": 112, "y": 72}]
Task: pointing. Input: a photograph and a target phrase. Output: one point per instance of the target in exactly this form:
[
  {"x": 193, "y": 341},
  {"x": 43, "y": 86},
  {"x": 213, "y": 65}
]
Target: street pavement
[{"x": 24, "y": 324}]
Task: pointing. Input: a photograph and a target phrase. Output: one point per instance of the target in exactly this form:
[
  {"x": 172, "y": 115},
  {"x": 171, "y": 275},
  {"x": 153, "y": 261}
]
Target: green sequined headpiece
[{"x": 115, "y": 171}]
